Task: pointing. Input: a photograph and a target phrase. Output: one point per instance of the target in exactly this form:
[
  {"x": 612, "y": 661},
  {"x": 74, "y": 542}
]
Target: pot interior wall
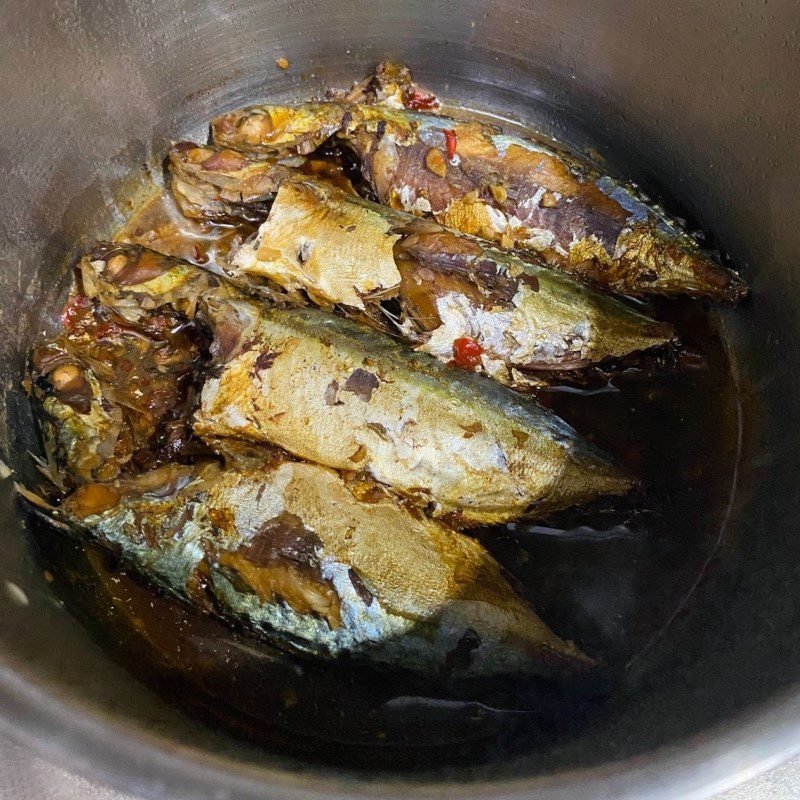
[{"x": 696, "y": 101}]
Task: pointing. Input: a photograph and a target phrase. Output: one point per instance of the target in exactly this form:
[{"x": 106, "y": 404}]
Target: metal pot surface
[{"x": 697, "y": 101}]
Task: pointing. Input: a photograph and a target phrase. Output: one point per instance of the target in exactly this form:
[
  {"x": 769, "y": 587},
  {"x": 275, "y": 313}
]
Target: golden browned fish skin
[
  {"x": 289, "y": 549},
  {"x": 448, "y": 293},
  {"x": 331, "y": 391}
]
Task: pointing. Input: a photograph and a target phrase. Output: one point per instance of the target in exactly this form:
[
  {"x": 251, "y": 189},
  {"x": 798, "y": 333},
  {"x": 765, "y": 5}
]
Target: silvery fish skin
[
  {"x": 336, "y": 393},
  {"x": 518, "y": 192},
  {"x": 340, "y": 250},
  {"x": 290, "y": 550}
]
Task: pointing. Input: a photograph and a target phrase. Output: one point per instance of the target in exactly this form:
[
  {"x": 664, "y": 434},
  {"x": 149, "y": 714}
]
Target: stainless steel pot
[{"x": 696, "y": 100}]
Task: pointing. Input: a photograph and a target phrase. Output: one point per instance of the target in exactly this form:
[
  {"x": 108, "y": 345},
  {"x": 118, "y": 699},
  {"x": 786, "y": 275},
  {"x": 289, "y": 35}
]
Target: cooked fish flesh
[
  {"x": 454, "y": 296},
  {"x": 336, "y": 393},
  {"x": 292, "y": 551},
  {"x": 518, "y": 192}
]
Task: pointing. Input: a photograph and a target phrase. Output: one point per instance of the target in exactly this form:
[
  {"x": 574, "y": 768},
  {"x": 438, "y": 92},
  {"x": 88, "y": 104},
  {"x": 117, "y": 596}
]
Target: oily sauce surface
[{"x": 610, "y": 577}]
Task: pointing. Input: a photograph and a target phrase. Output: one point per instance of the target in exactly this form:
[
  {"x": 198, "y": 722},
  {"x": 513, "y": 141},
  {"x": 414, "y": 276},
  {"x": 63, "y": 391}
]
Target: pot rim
[{"x": 145, "y": 764}]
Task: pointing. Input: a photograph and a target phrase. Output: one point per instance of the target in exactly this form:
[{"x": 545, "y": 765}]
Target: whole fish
[
  {"x": 331, "y": 391},
  {"x": 336, "y": 393},
  {"x": 293, "y": 551},
  {"x": 450, "y": 295},
  {"x": 522, "y": 193},
  {"x": 518, "y": 192}
]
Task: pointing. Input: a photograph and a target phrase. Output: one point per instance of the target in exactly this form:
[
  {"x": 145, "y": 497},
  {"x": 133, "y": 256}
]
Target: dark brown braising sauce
[{"x": 610, "y": 577}]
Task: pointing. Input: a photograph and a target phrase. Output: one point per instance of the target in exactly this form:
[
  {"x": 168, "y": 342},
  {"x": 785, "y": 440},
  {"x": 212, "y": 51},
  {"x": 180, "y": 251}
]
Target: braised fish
[
  {"x": 339, "y": 394},
  {"x": 518, "y": 192},
  {"x": 290, "y": 550},
  {"x": 269, "y": 129},
  {"x": 450, "y": 295},
  {"x": 522, "y": 193},
  {"x": 332, "y": 391}
]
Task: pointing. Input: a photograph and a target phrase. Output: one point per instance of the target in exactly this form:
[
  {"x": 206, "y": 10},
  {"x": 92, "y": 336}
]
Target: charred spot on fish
[
  {"x": 460, "y": 657},
  {"x": 362, "y": 383},
  {"x": 360, "y": 587},
  {"x": 284, "y": 537},
  {"x": 264, "y": 361}
]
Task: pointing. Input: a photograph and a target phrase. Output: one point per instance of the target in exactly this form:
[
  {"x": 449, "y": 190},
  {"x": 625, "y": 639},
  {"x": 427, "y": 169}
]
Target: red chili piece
[
  {"x": 199, "y": 254},
  {"x": 467, "y": 353},
  {"x": 73, "y": 309},
  {"x": 450, "y": 143},
  {"x": 420, "y": 101}
]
